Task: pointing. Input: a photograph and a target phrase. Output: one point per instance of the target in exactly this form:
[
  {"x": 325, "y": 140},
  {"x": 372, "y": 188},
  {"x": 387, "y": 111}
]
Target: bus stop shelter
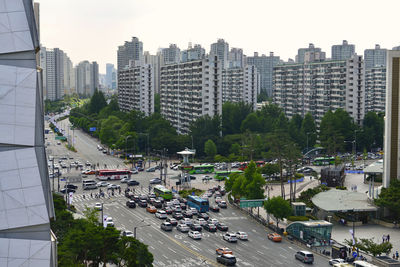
[{"x": 313, "y": 233}]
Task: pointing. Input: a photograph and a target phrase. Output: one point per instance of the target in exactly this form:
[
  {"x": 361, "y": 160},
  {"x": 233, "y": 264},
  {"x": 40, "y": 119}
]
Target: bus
[
  {"x": 198, "y": 203},
  {"x": 322, "y": 161},
  {"x": 163, "y": 192},
  {"x": 260, "y": 163},
  {"x": 105, "y": 175},
  {"x": 363, "y": 264},
  {"x": 201, "y": 169},
  {"x": 222, "y": 175},
  {"x": 243, "y": 166}
]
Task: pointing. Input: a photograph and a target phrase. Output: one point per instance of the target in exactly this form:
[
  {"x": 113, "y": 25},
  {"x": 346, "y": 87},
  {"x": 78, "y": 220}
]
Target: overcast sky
[{"x": 93, "y": 29}]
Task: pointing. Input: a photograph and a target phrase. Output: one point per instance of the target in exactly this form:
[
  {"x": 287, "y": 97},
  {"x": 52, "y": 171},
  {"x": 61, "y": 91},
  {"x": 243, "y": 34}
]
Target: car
[
  {"x": 274, "y": 237},
  {"x": 183, "y": 206},
  {"x": 222, "y": 204},
  {"x": 214, "y": 208},
  {"x": 206, "y": 178},
  {"x": 187, "y": 214},
  {"x": 166, "y": 226},
  {"x": 222, "y": 191},
  {"x": 88, "y": 163},
  {"x": 151, "y": 209},
  {"x": 143, "y": 203},
  {"x": 127, "y": 233},
  {"x": 132, "y": 183},
  {"x": 157, "y": 204},
  {"x": 160, "y": 214},
  {"x": 102, "y": 184},
  {"x": 88, "y": 172},
  {"x": 222, "y": 227},
  {"x": 186, "y": 221},
  {"x": 210, "y": 227},
  {"x": 168, "y": 210},
  {"x": 152, "y": 169},
  {"x": 98, "y": 206},
  {"x": 172, "y": 221},
  {"x": 195, "y": 235},
  {"x": 200, "y": 221},
  {"x": 226, "y": 259},
  {"x": 334, "y": 261},
  {"x": 183, "y": 228},
  {"x": 67, "y": 190},
  {"x": 109, "y": 221},
  {"x": 230, "y": 237},
  {"x": 213, "y": 221},
  {"x": 221, "y": 251},
  {"x": 194, "y": 211},
  {"x": 131, "y": 204},
  {"x": 241, "y": 235},
  {"x": 177, "y": 215},
  {"x": 134, "y": 171},
  {"x": 196, "y": 227},
  {"x": 203, "y": 215},
  {"x": 177, "y": 208},
  {"x": 217, "y": 194},
  {"x": 71, "y": 186},
  {"x": 155, "y": 181},
  {"x": 124, "y": 180},
  {"x": 218, "y": 200},
  {"x": 113, "y": 186},
  {"x": 104, "y": 151},
  {"x": 58, "y": 143},
  {"x": 304, "y": 256}
]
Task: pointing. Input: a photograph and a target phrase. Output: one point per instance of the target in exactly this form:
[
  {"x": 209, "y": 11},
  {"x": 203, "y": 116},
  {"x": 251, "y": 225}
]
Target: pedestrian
[
  {"x": 91, "y": 194},
  {"x": 394, "y": 256},
  {"x": 84, "y": 197},
  {"x": 388, "y": 238},
  {"x": 397, "y": 255},
  {"x": 383, "y": 238}
]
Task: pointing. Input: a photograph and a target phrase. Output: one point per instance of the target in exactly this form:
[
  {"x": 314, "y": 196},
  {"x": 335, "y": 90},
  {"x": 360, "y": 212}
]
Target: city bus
[
  {"x": 222, "y": 175},
  {"x": 198, "y": 203},
  {"x": 163, "y": 192},
  {"x": 201, "y": 169},
  {"x": 322, "y": 161},
  {"x": 260, "y": 163},
  {"x": 243, "y": 166},
  {"x": 104, "y": 175}
]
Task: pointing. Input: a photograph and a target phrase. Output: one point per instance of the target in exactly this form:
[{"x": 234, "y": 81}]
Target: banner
[
  {"x": 70, "y": 196},
  {"x": 105, "y": 221}
]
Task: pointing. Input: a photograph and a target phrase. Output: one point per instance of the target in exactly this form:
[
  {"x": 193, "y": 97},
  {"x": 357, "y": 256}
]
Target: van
[
  {"x": 89, "y": 184},
  {"x": 304, "y": 256}
]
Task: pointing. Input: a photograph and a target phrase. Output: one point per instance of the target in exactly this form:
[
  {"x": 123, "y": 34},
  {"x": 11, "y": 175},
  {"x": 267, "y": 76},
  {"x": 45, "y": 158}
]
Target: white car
[
  {"x": 160, "y": 214},
  {"x": 134, "y": 171},
  {"x": 127, "y": 233},
  {"x": 98, "y": 206},
  {"x": 334, "y": 261},
  {"x": 109, "y": 221},
  {"x": 194, "y": 211},
  {"x": 213, "y": 221},
  {"x": 102, "y": 184},
  {"x": 230, "y": 237},
  {"x": 218, "y": 199},
  {"x": 186, "y": 221},
  {"x": 200, "y": 221},
  {"x": 194, "y": 234},
  {"x": 241, "y": 235},
  {"x": 182, "y": 227},
  {"x": 124, "y": 180},
  {"x": 113, "y": 186}
]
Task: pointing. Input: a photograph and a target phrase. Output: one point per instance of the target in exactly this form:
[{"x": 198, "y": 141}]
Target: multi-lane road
[{"x": 176, "y": 248}]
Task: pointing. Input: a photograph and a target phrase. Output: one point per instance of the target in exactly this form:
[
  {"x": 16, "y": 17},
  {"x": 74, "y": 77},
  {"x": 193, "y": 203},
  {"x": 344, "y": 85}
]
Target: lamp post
[{"x": 126, "y": 146}]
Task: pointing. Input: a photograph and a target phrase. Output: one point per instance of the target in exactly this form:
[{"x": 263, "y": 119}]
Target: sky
[{"x": 93, "y": 29}]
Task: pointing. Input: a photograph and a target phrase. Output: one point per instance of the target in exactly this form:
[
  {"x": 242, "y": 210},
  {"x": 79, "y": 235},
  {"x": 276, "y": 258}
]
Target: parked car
[
  {"x": 166, "y": 226},
  {"x": 226, "y": 259},
  {"x": 304, "y": 256}
]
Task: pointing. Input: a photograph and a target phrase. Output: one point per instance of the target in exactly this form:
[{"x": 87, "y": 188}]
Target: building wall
[
  {"x": 265, "y": 66},
  {"x": 343, "y": 51},
  {"x": 375, "y": 88},
  {"x": 220, "y": 49},
  {"x": 314, "y": 53},
  {"x": 375, "y": 57},
  {"x": 190, "y": 90}
]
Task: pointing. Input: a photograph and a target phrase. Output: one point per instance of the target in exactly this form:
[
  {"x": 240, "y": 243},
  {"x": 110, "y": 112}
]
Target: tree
[
  {"x": 368, "y": 245},
  {"x": 251, "y": 123},
  {"x": 309, "y": 130},
  {"x": 157, "y": 105},
  {"x": 278, "y": 207},
  {"x": 389, "y": 198},
  {"x": 233, "y": 114},
  {"x": 210, "y": 148},
  {"x": 97, "y": 102},
  {"x": 132, "y": 253},
  {"x": 91, "y": 214},
  {"x": 204, "y": 128},
  {"x": 254, "y": 182}
]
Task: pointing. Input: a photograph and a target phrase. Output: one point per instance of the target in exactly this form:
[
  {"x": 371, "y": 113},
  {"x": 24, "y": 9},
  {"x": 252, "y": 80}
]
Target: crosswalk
[{"x": 91, "y": 195}]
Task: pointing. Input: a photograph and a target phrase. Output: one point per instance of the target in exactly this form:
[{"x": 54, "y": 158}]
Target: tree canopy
[{"x": 278, "y": 207}]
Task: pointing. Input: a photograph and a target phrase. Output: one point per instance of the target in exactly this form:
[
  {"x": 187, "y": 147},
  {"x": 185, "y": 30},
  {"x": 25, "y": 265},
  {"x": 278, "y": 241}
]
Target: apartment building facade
[
  {"x": 317, "y": 87},
  {"x": 265, "y": 66},
  {"x": 375, "y": 89},
  {"x": 190, "y": 90},
  {"x": 136, "y": 88}
]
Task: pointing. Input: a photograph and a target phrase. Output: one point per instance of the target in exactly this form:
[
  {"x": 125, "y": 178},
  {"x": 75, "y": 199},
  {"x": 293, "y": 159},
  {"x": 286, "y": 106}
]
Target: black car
[
  {"x": 160, "y": 199},
  {"x": 143, "y": 203},
  {"x": 172, "y": 221},
  {"x": 196, "y": 227},
  {"x": 183, "y": 206},
  {"x": 226, "y": 259},
  {"x": 157, "y": 204},
  {"x": 151, "y": 195},
  {"x": 222, "y": 191},
  {"x": 136, "y": 198},
  {"x": 214, "y": 208},
  {"x": 182, "y": 200},
  {"x": 71, "y": 186},
  {"x": 187, "y": 214},
  {"x": 203, "y": 215},
  {"x": 222, "y": 227},
  {"x": 177, "y": 215},
  {"x": 131, "y": 204},
  {"x": 210, "y": 227},
  {"x": 132, "y": 182},
  {"x": 67, "y": 190},
  {"x": 168, "y": 210}
]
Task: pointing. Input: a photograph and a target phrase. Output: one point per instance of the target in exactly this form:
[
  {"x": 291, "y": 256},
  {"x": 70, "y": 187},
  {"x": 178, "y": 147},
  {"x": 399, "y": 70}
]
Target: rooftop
[{"x": 376, "y": 167}]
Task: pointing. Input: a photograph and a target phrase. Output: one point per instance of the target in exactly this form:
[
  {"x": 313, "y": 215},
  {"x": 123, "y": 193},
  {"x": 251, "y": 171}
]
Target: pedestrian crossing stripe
[{"x": 91, "y": 195}]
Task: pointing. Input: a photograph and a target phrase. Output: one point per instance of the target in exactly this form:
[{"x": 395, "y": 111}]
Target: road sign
[
  {"x": 251, "y": 203},
  {"x": 354, "y": 254},
  {"x": 92, "y": 129}
]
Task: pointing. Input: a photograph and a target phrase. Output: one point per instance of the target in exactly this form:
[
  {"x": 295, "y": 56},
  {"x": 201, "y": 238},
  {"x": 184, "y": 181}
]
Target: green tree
[
  {"x": 157, "y": 105},
  {"x": 251, "y": 123},
  {"x": 202, "y": 129},
  {"x": 210, "y": 148},
  {"x": 389, "y": 198},
  {"x": 254, "y": 182},
  {"x": 270, "y": 169},
  {"x": 91, "y": 214},
  {"x": 309, "y": 130},
  {"x": 233, "y": 114},
  {"x": 97, "y": 102},
  {"x": 133, "y": 253},
  {"x": 278, "y": 207},
  {"x": 368, "y": 245}
]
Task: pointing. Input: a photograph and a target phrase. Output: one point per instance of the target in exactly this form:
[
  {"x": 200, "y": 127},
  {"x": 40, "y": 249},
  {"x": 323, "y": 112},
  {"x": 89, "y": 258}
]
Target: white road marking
[
  {"x": 151, "y": 247},
  {"x": 159, "y": 241},
  {"x": 283, "y": 249},
  {"x": 172, "y": 250},
  {"x": 283, "y": 256}
]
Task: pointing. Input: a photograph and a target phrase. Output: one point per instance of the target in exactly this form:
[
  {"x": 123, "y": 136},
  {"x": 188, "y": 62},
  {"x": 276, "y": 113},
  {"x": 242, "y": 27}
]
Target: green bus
[
  {"x": 161, "y": 191},
  {"x": 222, "y": 175},
  {"x": 201, "y": 169},
  {"x": 322, "y": 161}
]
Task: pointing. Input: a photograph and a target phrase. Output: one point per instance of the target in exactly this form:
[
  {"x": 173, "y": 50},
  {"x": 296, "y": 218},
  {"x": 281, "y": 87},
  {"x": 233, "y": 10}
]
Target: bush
[
  {"x": 186, "y": 193},
  {"x": 341, "y": 187},
  {"x": 298, "y": 218}
]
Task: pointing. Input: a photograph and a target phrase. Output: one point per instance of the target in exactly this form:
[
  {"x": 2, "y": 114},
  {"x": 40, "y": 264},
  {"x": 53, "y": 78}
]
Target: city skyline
[{"x": 109, "y": 27}]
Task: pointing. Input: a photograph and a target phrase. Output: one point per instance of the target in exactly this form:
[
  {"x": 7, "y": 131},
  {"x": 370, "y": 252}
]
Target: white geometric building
[{"x": 26, "y": 204}]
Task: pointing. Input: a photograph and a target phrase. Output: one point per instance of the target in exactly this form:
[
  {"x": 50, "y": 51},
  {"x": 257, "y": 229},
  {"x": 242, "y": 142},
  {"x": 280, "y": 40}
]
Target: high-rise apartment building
[
  {"x": 86, "y": 78},
  {"x": 26, "y": 203},
  {"x": 240, "y": 85},
  {"x": 69, "y": 76},
  {"x": 94, "y": 77},
  {"x": 392, "y": 114},
  {"x": 132, "y": 50},
  {"x": 136, "y": 88},
  {"x": 195, "y": 52},
  {"x": 375, "y": 89},
  {"x": 375, "y": 57},
  {"x": 109, "y": 72},
  {"x": 265, "y": 66},
  {"x": 170, "y": 55},
  {"x": 190, "y": 90},
  {"x": 155, "y": 62},
  {"x": 220, "y": 49},
  {"x": 236, "y": 58},
  {"x": 317, "y": 87},
  {"x": 343, "y": 51},
  {"x": 310, "y": 54}
]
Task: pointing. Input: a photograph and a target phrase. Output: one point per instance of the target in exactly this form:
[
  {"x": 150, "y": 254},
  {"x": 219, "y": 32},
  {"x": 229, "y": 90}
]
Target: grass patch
[{"x": 186, "y": 193}]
